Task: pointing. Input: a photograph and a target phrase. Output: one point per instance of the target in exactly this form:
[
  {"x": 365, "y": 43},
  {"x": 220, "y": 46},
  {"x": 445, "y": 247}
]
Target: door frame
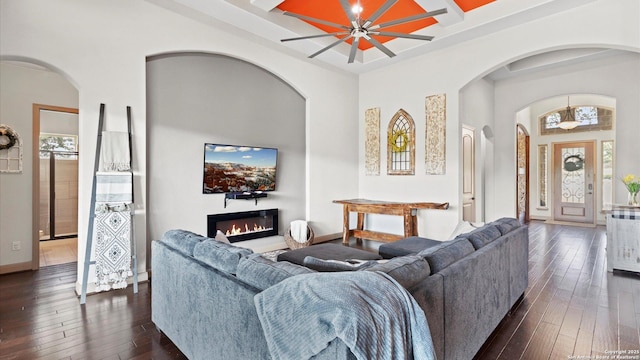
[
  {"x": 35, "y": 181},
  {"x": 593, "y": 163}
]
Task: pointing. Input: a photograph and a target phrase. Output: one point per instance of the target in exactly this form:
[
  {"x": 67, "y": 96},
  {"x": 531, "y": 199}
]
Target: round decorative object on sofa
[{"x": 293, "y": 244}]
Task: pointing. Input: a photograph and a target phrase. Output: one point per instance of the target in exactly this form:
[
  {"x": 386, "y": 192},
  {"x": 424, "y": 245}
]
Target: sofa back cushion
[
  {"x": 323, "y": 265},
  {"x": 407, "y": 270},
  {"x": 262, "y": 273},
  {"x": 219, "y": 255},
  {"x": 182, "y": 240},
  {"x": 441, "y": 256},
  {"x": 482, "y": 236},
  {"x": 505, "y": 224}
]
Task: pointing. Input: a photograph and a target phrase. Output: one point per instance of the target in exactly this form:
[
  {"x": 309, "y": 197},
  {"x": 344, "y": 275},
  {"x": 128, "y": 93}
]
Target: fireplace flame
[{"x": 238, "y": 230}]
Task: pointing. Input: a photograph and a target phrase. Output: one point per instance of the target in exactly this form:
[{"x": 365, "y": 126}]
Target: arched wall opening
[
  {"x": 198, "y": 98},
  {"x": 25, "y": 83},
  {"x": 495, "y": 101},
  {"x": 543, "y": 188}
]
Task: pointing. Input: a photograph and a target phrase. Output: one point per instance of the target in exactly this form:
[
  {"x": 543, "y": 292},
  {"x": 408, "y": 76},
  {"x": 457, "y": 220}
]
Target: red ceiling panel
[{"x": 330, "y": 10}]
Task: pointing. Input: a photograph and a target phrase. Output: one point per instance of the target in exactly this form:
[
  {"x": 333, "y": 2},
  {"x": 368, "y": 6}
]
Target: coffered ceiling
[{"x": 264, "y": 22}]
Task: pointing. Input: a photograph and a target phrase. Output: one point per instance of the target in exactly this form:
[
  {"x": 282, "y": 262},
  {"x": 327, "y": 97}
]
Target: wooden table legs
[
  {"x": 408, "y": 211},
  {"x": 410, "y": 220}
]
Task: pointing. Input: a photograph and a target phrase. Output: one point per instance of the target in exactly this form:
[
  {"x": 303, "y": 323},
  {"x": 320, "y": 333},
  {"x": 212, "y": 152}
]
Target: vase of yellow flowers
[{"x": 633, "y": 186}]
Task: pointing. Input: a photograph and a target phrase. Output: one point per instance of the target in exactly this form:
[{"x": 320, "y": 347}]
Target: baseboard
[
  {"x": 91, "y": 287},
  {"x": 569, "y": 223},
  {"x": 539, "y": 218},
  {"x": 328, "y": 237},
  {"x": 11, "y": 268}
]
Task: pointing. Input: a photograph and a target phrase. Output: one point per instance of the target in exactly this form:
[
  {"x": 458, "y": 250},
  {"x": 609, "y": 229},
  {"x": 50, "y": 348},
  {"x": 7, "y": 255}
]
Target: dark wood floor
[{"x": 572, "y": 307}]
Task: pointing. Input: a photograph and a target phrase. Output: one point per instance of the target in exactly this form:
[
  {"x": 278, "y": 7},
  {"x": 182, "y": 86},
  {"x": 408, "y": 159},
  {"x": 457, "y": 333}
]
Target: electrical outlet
[{"x": 15, "y": 246}]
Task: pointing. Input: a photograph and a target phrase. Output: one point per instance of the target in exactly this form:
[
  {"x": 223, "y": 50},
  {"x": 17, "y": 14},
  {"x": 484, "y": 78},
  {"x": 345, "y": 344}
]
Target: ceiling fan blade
[
  {"x": 354, "y": 49},
  {"x": 319, "y": 21},
  {"x": 402, "y": 35},
  {"x": 329, "y": 47},
  {"x": 410, "y": 18},
  {"x": 314, "y": 36},
  {"x": 380, "y": 47},
  {"x": 347, "y": 10},
  {"x": 381, "y": 10}
]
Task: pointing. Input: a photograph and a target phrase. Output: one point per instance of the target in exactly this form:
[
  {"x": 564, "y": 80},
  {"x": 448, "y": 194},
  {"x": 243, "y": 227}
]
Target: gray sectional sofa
[{"x": 203, "y": 291}]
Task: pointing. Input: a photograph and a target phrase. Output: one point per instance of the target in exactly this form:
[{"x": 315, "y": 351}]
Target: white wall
[
  {"x": 447, "y": 71},
  {"x": 20, "y": 88},
  {"x": 102, "y": 48},
  {"x": 476, "y": 111}
]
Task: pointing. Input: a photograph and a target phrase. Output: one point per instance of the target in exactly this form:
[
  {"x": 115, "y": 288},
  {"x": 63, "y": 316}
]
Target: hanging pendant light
[{"x": 568, "y": 121}]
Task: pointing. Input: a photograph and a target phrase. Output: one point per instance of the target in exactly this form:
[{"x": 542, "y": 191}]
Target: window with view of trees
[{"x": 65, "y": 146}]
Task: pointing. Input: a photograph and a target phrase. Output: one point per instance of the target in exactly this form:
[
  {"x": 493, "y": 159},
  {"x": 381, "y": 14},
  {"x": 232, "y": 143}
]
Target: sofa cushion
[
  {"x": 406, "y": 270},
  {"x": 441, "y": 256},
  {"x": 483, "y": 236},
  {"x": 262, "y": 273},
  {"x": 407, "y": 246},
  {"x": 506, "y": 224},
  {"x": 327, "y": 251},
  {"x": 336, "y": 265},
  {"x": 218, "y": 255},
  {"x": 182, "y": 240},
  {"x": 462, "y": 228}
]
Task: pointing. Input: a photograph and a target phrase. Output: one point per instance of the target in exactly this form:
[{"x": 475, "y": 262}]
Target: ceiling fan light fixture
[
  {"x": 363, "y": 29},
  {"x": 568, "y": 121}
]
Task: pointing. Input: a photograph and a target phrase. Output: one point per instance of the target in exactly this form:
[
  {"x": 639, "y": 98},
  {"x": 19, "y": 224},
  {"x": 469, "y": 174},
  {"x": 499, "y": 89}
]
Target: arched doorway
[{"x": 26, "y": 82}]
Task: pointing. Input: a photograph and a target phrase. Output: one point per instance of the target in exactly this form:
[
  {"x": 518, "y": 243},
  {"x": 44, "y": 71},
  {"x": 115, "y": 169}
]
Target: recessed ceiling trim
[
  {"x": 454, "y": 13},
  {"x": 266, "y": 5},
  {"x": 552, "y": 57},
  {"x": 272, "y": 26}
]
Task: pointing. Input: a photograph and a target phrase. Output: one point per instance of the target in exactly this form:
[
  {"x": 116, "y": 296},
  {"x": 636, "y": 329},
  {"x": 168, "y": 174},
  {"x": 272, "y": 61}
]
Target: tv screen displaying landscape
[{"x": 231, "y": 168}]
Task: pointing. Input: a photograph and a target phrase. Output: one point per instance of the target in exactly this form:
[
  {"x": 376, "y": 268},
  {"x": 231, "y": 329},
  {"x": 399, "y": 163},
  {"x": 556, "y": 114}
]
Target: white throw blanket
[
  {"x": 114, "y": 187},
  {"x": 114, "y": 155},
  {"x": 112, "y": 231},
  {"x": 299, "y": 230}
]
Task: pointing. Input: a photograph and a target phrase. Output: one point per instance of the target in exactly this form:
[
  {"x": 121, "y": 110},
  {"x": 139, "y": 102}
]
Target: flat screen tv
[{"x": 232, "y": 168}]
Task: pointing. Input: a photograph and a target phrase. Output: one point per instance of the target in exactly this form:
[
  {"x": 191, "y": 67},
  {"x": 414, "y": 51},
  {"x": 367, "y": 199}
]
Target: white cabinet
[{"x": 623, "y": 238}]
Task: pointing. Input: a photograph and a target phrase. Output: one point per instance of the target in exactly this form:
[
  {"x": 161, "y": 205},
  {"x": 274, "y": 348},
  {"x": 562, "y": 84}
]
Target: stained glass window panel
[
  {"x": 573, "y": 175},
  {"x": 542, "y": 176}
]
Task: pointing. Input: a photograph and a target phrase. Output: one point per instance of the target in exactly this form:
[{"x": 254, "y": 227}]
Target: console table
[
  {"x": 623, "y": 238},
  {"x": 363, "y": 206}
]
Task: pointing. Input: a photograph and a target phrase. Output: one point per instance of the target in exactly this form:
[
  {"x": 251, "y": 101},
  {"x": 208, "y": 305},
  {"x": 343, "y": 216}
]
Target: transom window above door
[{"x": 591, "y": 118}]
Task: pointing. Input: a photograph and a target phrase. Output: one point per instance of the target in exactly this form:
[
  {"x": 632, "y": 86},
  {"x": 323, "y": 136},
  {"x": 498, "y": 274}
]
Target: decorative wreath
[
  {"x": 573, "y": 163},
  {"x": 7, "y": 132},
  {"x": 393, "y": 140}
]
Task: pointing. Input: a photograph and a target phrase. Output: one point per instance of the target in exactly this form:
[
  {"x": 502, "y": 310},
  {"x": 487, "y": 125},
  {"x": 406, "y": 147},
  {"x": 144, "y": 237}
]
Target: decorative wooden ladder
[{"x": 87, "y": 257}]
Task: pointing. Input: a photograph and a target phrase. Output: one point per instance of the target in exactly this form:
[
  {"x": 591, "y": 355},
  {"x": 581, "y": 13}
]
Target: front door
[{"x": 573, "y": 174}]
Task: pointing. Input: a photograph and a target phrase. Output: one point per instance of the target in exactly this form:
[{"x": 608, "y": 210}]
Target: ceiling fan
[{"x": 359, "y": 28}]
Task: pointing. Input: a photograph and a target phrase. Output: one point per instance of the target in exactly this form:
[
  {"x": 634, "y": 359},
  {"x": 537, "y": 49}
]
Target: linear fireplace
[{"x": 246, "y": 225}]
